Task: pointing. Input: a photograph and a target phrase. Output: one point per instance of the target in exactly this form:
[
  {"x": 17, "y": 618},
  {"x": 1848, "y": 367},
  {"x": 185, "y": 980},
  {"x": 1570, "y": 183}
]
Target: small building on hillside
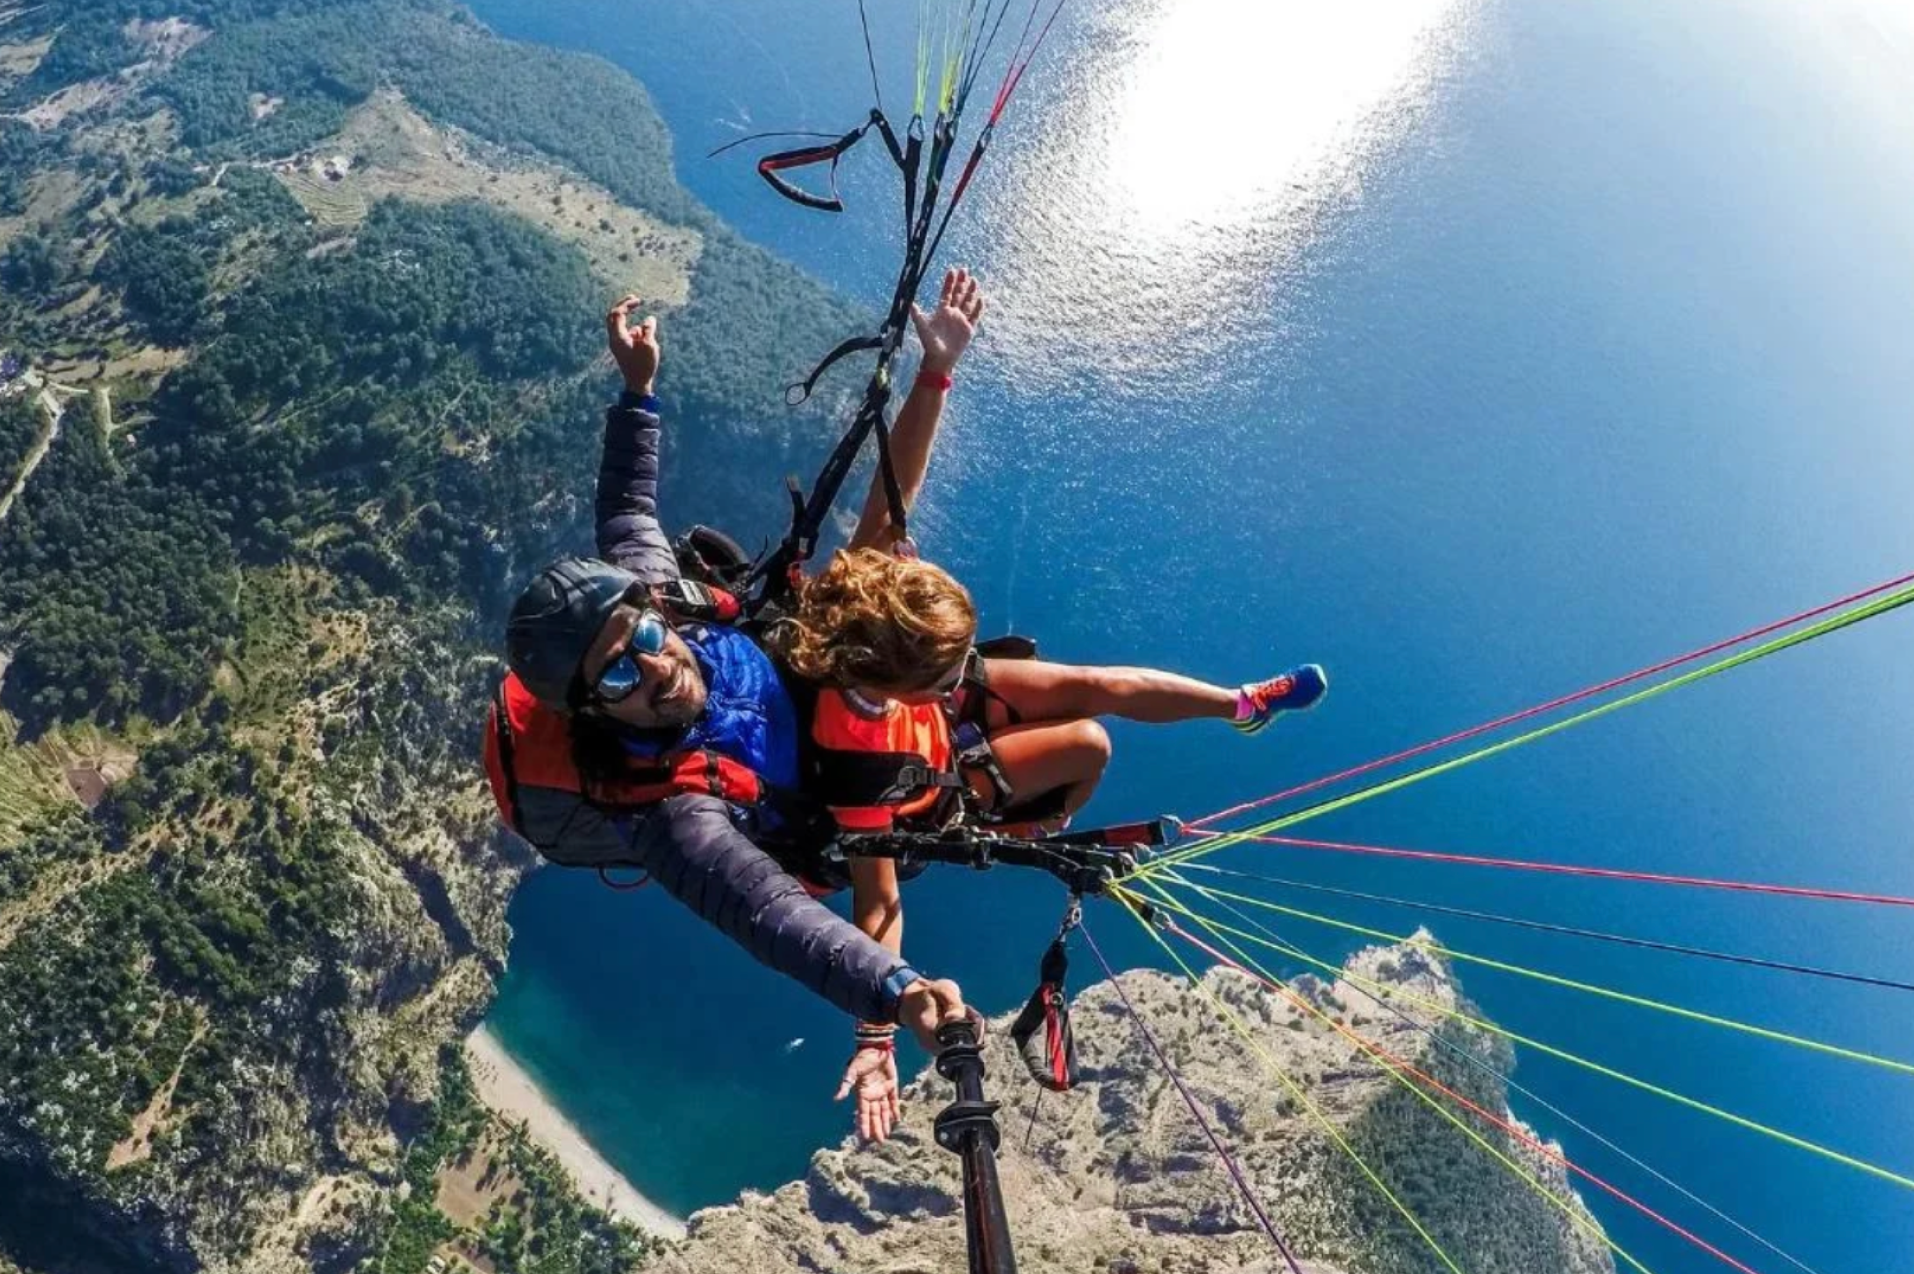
[{"x": 89, "y": 783}]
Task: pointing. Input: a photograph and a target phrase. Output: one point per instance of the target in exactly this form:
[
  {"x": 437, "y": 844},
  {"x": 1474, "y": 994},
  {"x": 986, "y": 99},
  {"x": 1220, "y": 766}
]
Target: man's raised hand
[
  {"x": 872, "y": 1076},
  {"x": 634, "y": 349}
]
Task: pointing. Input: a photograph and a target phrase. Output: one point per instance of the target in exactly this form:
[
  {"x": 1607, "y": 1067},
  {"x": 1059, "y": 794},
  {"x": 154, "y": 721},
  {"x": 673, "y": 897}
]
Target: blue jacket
[{"x": 748, "y": 714}]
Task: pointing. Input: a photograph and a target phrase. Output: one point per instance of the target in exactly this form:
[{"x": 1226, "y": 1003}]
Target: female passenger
[{"x": 912, "y": 722}]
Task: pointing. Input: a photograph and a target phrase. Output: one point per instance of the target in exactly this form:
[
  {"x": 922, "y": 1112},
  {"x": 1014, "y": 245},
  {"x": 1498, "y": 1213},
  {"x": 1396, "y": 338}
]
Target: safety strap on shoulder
[
  {"x": 976, "y": 677},
  {"x": 969, "y": 728}
]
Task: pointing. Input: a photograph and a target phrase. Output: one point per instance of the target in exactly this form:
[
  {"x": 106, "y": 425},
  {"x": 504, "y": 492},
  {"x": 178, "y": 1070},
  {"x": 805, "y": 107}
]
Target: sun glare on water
[{"x": 1188, "y": 153}]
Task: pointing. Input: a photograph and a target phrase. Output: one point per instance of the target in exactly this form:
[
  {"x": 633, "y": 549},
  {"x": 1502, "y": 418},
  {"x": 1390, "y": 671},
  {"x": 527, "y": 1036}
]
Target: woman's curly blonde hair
[{"x": 872, "y": 619}]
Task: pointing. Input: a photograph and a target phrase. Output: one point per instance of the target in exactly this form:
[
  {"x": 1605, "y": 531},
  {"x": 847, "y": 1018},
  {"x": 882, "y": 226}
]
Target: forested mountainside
[{"x": 300, "y": 333}]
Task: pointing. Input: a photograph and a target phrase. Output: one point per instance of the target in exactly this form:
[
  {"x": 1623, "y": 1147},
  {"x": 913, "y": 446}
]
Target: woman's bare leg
[
  {"x": 1040, "y": 717},
  {"x": 1038, "y": 691},
  {"x": 1045, "y": 757}
]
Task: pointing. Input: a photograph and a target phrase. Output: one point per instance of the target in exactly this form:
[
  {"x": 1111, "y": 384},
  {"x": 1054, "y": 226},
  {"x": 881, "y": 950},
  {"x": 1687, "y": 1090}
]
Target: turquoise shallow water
[{"x": 1478, "y": 356}]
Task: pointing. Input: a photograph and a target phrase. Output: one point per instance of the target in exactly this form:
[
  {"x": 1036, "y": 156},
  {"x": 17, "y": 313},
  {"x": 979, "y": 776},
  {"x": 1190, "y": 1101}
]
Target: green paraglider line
[
  {"x": 1468, "y": 1058},
  {"x": 1567, "y": 931},
  {"x": 1562, "y": 701},
  {"x": 1135, "y": 905},
  {"x": 1379, "y": 989},
  {"x": 1834, "y": 624},
  {"x": 1416, "y": 1080},
  {"x": 1569, "y": 984}
]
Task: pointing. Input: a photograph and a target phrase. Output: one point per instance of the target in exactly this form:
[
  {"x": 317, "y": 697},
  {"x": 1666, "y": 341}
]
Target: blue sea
[{"x": 1478, "y": 351}]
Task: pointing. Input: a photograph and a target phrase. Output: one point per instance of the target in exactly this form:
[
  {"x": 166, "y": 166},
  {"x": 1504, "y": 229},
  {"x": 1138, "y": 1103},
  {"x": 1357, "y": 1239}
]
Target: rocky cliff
[{"x": 1118, "y": 1177}]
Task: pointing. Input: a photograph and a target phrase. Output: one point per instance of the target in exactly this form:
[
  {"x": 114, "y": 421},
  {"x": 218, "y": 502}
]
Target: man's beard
[{"x": 687, "y": 696}]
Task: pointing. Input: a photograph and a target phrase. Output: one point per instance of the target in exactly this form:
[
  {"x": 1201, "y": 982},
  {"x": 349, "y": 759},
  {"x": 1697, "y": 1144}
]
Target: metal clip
[{"x": 1072, "y": 916}]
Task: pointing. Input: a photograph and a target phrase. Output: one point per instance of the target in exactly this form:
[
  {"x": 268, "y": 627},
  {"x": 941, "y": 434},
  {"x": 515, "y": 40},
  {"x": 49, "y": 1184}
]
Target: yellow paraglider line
[
  {"x": 1552, "y": 979},
  {"x": 1382, "y": 989},
  {"x": 1236, "y": 1024}
]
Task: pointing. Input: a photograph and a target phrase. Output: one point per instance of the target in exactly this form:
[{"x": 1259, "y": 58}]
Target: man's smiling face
[{"x": 671, "y": 689}]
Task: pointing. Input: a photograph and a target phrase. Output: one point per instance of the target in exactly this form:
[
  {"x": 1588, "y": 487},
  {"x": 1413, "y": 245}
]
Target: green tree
[{"x": 34, "y": 265}]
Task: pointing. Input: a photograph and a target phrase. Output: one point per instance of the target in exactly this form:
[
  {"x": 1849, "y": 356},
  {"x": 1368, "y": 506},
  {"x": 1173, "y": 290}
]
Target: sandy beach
[{"x": 505, "y": 1087}]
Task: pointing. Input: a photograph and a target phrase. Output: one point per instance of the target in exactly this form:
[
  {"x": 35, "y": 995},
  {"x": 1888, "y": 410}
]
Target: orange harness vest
[{"x": 540, "y": 792}]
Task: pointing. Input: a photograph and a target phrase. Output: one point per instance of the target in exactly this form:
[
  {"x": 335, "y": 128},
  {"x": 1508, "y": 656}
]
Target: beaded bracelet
[{"x": 879, "y": 1035}]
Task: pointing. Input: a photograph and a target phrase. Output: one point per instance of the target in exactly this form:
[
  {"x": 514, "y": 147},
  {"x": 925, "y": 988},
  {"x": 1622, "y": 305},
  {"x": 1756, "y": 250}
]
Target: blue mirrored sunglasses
[{"x": 622, "y": 676}]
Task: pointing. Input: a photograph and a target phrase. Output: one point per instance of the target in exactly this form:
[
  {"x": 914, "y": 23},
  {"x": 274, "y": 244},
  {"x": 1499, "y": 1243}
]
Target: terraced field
[{"x": 389, "y": 150}]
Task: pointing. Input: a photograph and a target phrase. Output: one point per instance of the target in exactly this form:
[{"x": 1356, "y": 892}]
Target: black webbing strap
[
  {"x": 843, "y": 777},
  {"x": 907, "y": 161},
  {"x": 507, "y": 758},
  {"x": 798, "y": 392},
  {"x": 1087, "y": 868},
  {"x": 1042, "y": 1031},
  {"x": 809, "y": 513},
  {"x": 772, "y": 166},
  {"x": 776, "y": 574},
  {"x": 893, "y": 492}
]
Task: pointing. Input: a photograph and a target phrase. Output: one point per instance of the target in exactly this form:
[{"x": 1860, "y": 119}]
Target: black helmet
[{"x": 555, "y": 621}]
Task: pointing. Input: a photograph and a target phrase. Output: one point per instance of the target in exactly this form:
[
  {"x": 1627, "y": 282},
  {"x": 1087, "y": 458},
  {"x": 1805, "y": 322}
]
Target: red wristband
[{"x": 940, "y": 381}]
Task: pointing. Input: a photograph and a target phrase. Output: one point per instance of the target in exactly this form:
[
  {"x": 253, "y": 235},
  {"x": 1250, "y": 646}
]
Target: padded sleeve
[
  {"x": 691, "y": 848},
  {"x": 629, "y": 534}
]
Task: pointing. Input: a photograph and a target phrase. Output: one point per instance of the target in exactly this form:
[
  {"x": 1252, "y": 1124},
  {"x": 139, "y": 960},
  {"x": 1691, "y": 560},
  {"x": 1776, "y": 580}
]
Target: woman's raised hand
[
  {"x": 946, "y": 331},
  {"x": 872, "y": 1078}
]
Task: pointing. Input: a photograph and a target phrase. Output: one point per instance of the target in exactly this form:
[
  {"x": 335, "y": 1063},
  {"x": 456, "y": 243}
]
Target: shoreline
[{"x": 510, "y": 1092}]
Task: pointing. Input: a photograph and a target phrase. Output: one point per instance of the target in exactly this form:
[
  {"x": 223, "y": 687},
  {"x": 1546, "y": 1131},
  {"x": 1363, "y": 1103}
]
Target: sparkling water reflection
[{"x": 1190, "y": 153}]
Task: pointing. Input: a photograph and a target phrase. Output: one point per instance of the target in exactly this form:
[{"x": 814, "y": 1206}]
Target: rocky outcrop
[{"x": 1117, "y": 1176}]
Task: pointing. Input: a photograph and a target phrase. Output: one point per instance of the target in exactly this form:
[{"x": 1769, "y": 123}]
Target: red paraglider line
[
  {"x": 1570, "y": 869},
  {"x": 1014, "y": 76},
  {"x": 1550, "y": 706}
]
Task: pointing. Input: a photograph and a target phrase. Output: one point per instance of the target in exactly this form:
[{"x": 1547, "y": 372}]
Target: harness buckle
[
  {"x": 1072, "y": 916},
  {"x": 910, "y": 778},
  {"x": 971, "y": 747}
]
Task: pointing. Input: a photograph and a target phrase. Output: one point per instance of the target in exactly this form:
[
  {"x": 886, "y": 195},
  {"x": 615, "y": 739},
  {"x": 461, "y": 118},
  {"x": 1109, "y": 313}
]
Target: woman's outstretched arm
[{"x": 945, "y": 334}]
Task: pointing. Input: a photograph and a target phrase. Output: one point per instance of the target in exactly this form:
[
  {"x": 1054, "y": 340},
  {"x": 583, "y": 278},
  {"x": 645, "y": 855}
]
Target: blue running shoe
[{"x": 1293, "y": 691}]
